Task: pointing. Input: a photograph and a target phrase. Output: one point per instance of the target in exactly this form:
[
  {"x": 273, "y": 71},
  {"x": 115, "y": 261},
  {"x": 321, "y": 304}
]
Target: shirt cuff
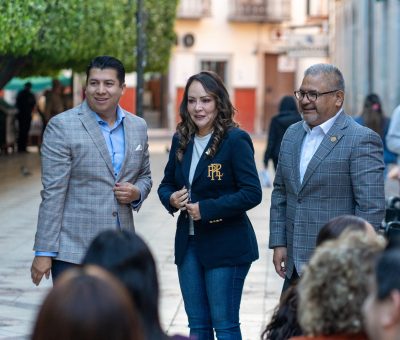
[
  {"x": 137, "y": 203},
  {"x": 46, "y": 253}
]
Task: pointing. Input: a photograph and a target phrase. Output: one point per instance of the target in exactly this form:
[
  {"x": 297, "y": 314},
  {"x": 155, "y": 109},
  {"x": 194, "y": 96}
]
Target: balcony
[
  {"x": 273, "y": 11},
  {"x": 193, "y": 9}
]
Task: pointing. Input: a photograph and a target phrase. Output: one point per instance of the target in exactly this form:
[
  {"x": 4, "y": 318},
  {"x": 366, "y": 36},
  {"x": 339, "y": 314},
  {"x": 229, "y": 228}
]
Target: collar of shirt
[
  {"x": 118, "y": 121},
  {"x": 114, "y": 138},
  {"x": 325, "y": 126}
]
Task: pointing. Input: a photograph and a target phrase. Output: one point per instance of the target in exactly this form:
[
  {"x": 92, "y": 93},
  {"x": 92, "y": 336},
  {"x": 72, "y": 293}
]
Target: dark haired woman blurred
[{"x": 212, "y": 179}]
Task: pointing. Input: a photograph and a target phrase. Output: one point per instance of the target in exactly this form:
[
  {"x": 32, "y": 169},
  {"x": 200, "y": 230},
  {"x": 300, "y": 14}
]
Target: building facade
[
  {"x": 258, "y": 47},
  {"x": 365, "y": 44}
]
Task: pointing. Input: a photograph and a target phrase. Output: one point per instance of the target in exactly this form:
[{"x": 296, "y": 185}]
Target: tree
[{"x": 39, "y": 37}]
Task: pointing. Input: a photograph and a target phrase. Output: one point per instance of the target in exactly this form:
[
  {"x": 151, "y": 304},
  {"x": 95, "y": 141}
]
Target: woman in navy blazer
[{"x": 212, "y": 180}]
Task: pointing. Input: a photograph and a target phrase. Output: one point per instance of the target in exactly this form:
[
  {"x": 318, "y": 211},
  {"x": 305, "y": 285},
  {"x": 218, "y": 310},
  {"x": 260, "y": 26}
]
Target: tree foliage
[{"x": 43, "y": 36}]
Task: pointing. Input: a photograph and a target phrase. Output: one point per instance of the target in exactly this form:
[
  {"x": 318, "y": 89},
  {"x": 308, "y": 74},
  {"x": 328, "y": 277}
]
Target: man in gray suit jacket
[
  {"x": 95, "y": 171},
  {"x": 328, "y": 166}
]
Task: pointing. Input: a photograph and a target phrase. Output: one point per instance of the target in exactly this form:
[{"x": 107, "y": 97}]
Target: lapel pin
[
  {"x": 208, "y": 152},
  {"x": 333, "y": 139}
]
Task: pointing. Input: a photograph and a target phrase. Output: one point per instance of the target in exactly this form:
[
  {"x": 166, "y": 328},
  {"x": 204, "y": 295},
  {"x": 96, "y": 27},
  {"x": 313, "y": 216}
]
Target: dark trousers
[
  {"x": 24, "y": 124},
  {"x": 289, "y": 282},
  {"x": 58, "y": 267}
]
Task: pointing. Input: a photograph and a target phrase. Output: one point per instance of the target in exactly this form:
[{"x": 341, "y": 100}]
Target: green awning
[{"x": 38, "y": 83}]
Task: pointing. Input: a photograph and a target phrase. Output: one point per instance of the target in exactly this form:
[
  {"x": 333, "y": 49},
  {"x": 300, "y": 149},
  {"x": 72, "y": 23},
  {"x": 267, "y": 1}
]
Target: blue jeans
[{"x": 212, "y": 297}]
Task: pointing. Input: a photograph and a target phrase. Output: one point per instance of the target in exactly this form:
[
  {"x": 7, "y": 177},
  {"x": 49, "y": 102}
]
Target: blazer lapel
[
  {"x": 92, "y": 127},
  {"x": 297, "y": 153},
  {"x": 331, "y": 139},
  {"x": 130, "y": 141},
  {"x": 186, "y": 161}
]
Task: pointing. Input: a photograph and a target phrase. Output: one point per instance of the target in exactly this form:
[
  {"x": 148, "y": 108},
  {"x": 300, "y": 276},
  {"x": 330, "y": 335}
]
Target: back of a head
[
  {"x": 334, "y": 227},
  {"x": 87, "y": 304},
  {"x": 127, "y": 257},
  {"x": 284, "y": 324},
  {"x": 288, "y": 104},
  {"x": 387, "y": 273},
  {"x": 334, "y": 286}
]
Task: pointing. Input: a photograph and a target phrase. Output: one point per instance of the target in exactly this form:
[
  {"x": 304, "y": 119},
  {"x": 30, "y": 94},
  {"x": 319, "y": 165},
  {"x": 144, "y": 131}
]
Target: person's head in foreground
[
  {"x": 87, "y": 304},
  {"x": 334, "y": 286},
  {"x": 381, "y": 309},
  {"x": 127, "y": 256},
  {"x": 334, "y": 227}
]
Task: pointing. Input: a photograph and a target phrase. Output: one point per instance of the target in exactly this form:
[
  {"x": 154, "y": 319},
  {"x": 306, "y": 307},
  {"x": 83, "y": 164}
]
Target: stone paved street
[{"x": 19, "y": 203}]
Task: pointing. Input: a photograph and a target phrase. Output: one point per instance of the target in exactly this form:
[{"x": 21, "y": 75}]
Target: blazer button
[
  {"x": 299, "y": 200},
  {"x": 114, "y": 213}
]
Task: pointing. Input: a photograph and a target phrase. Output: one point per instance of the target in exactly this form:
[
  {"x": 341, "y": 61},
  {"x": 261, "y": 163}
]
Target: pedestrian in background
[
  {"x": 211, "y": 179},
  {"x": 328, "y": 166},
  {"x": 372, "y": 116},
  {"x": 287, "y": 115},
  {"x": 25, "y": 104},
  {"x": 95, "y": 171}
]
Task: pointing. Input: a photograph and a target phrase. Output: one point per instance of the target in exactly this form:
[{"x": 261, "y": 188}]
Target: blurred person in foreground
[
  {"x": 125, "y": 255},
  {"x": 333, "y": 287},
  {"x": 288, "y": 114},
  {"x": 328, "y": 166},
  {"x": 284, "y": 323},
  {"x": 87, "y": 304},
  {"x": 381, "y": 309},
  {"x": 211, "y": 179},
  {"x": 95, "y": 172}
]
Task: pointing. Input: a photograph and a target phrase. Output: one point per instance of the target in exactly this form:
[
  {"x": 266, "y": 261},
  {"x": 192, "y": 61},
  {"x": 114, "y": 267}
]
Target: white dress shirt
[{"x": 312, "y": 141}]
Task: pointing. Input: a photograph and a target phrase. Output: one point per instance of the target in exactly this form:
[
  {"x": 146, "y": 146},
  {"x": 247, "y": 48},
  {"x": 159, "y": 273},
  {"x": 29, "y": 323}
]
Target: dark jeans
[
  {"x": 212, "y": 297},
  {"x": 58, "y": 267}
]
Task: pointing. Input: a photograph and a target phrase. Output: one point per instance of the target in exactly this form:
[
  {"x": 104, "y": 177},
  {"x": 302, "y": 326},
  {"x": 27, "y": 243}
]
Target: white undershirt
[
  {"x": 312, "y": 141},
  {"x": 200, "y": 143}
]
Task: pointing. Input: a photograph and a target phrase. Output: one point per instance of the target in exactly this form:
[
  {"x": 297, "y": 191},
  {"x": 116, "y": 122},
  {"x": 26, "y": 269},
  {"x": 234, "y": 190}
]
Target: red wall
[
  {"x": 128, "y": 100},
  {"x": 179, "y": 97},
  {"x": 245, "y": 103}
]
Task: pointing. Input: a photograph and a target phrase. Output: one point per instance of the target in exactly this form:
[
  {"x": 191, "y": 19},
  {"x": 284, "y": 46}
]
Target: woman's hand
[
  {"x": 179, "y": 199},
  {"x": 193, "y": 210}
]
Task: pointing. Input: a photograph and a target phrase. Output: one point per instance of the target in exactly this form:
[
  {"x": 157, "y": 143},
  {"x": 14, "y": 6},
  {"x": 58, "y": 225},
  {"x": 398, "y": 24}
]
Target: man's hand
[
  {"x": 126, "y": 192},
  {"x": 41, "y": 265},
  {"x": 179, "y": 199},
  {"x": 279, "y": 259}
]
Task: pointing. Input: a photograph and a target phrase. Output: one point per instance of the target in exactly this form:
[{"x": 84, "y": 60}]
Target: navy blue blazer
[{"x": 226, "y": 186}]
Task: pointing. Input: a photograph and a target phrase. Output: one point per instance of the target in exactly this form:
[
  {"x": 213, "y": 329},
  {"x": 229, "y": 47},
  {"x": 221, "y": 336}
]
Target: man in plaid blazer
[
  {"x": 95, "y": 171},
  {"x": 328, "y": 166}
]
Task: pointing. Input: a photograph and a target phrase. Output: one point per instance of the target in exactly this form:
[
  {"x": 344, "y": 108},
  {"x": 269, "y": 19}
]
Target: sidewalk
[{"x": 19, "y": 203}]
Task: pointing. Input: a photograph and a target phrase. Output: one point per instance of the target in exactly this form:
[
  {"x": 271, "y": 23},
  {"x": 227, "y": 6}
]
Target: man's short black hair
[{"x": 105, "y": 61}]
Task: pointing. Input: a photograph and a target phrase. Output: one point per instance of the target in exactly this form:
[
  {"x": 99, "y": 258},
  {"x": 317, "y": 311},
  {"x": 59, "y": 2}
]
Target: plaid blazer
[
  {"x": 78, "y": 178},
  {"x": 345, "y": 176}
]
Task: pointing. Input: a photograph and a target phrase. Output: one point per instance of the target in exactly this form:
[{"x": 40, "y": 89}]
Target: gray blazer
[
  {"x": 345, "y": 176},
  {"x": 78, "y": 178}
]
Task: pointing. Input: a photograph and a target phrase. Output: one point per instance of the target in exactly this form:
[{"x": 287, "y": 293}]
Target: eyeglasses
[{"x": 312, "y": 96}]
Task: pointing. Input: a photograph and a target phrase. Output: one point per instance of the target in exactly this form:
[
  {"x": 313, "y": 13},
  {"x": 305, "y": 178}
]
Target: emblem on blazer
[
  {"x": 333, "y": 139},
  {"x": 214, "y": 171}
]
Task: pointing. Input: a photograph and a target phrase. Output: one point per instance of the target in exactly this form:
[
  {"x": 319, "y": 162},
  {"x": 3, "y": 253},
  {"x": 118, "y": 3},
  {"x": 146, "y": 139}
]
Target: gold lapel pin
[{"x": 333, "y": 139}]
